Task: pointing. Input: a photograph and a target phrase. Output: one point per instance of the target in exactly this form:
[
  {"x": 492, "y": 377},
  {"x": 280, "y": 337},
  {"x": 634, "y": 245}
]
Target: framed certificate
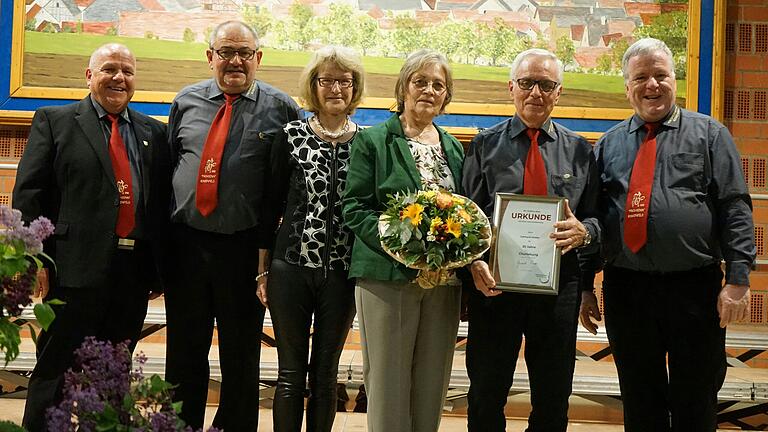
[{"x": 523, "y": 257}]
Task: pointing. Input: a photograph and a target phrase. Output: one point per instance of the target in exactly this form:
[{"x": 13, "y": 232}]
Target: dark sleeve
[
  {"x": 34, "y": 192},
  {"x": 174, "y": 117},
  {"x": 276, "y": 194},
  {"x": 590, "y": 261},
  {"x": 360, "y": 202},
  {"x": 472, "y": 178},
  {"x": 733, "y": 209}
]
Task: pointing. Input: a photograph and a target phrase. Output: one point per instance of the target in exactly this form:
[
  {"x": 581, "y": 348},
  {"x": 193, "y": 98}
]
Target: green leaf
[
  {"x": 177, "y": 406},
  {"x": 44, "y": 314},
  {"x": 9, "y": 339},
  {"x": 32, "y": 333},
  {"x": 6, "y": 426},
  {"x": 405, "y": 235},
  {"x": 56, "y": 302}
]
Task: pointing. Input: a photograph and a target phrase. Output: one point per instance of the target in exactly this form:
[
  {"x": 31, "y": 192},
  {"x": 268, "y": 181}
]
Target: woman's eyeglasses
[
  {"x": 422, "y": 85},
  {"x": 329, "y": 82}
]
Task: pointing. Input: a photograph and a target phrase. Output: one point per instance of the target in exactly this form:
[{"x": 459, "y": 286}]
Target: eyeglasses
[
  {"x": 422, "y": 85},
  {"x": 229, "y": 53},
  {"x": 329, "y": 82},
  {"x": 545, "y": 86}
]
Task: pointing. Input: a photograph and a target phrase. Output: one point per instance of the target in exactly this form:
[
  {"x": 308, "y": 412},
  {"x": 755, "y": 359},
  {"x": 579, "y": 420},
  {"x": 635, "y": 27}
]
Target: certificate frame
[{"x": 522, "y": 259}]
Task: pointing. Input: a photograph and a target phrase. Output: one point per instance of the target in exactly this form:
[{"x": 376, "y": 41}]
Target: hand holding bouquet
[{"x": 434, "y": 232}]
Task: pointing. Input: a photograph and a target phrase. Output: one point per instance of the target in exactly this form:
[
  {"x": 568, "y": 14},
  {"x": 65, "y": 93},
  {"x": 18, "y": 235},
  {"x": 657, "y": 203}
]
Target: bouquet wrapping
[{"x": 434, "y": 231}]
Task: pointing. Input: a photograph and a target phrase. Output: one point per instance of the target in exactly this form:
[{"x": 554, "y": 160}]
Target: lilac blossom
[{"x": 102, "y": 381}]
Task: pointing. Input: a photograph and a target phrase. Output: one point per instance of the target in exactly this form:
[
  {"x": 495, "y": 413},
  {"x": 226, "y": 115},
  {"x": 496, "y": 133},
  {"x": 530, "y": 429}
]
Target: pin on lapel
[{"x": 146, "y": 144}]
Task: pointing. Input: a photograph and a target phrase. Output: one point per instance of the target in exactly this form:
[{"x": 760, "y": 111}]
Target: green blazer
[{"x": 381, "y": 164}]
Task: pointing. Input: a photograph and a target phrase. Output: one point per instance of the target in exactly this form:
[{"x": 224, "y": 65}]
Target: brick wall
[{"x": 746, "y": 115}]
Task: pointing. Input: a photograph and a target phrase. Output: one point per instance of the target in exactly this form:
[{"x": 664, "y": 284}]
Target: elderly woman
[
  {"x": 309, "y": 273},
  {"x": 408, "y": 333}
]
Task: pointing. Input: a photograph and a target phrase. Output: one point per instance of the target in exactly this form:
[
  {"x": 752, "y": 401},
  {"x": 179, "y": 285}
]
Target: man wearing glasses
[
  {"x": 530, "y": 154},
  {"x": 219, "y": 134}
]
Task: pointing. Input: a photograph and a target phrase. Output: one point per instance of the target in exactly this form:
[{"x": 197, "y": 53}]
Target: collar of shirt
[
  {"x": 517, "y": 127},
  {"x": 103, "y": 113},
  {"x": 214, "y": 92},
  {"x": 671, "y": 121}
]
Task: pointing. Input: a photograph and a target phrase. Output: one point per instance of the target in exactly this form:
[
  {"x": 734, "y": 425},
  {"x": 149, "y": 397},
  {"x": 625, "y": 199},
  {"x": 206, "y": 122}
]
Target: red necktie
[
  {"x": 639, "y": 192},
  {"x": 122, "y": 169},
  {"x": 535, "y": 177},
  {"x": 206, "y": 197}
]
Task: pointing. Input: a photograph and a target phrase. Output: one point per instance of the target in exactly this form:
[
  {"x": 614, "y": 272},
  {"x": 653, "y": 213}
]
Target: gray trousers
[{"x": 408, "y": 336}]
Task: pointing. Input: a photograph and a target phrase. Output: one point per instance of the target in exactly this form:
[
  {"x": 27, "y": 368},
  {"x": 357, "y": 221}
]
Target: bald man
[{"x": 100, "y": 172}]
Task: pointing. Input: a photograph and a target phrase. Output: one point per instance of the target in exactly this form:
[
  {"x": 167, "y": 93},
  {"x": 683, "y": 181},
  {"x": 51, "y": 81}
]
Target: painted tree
[
  {"x": 467, "y": 37},
  {"x": 408, "y": 35},
  {"x": 443, "y": 38},
  {"x": 565, "y": 50},
  {"x": 495, "y": 40},
  {"x": 299, "y": 29},
  {"x": 618, "y": 48},
  {"x": 603, "y": 64},
  {"x": 189, "y": 36},
  {"x": 369, "y": 34},
  {"x": 336, "y": 26},
  {"x": 258, "y": 18}
]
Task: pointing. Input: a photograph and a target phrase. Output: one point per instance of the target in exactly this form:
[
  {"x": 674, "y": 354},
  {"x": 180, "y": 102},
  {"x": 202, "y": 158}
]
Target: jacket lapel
[
  {"x": 395, "y": 129},
  {"x": 143, "y": 140},
  {"x": 89, "y": 123}
]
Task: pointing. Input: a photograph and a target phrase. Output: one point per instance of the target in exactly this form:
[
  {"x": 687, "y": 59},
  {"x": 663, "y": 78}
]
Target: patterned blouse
[
  {"x": 308, "y": 179},
  {"x": 432, "y": 165}
]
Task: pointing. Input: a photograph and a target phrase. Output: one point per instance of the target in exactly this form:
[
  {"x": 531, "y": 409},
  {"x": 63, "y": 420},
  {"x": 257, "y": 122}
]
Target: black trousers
[
  {"x": 660, "y": 321},
  {"x": 296, "y": 294},
  {"x": 496, "y": 329},
  {"x": 212, "y": 277},
  {"x": 114, "y": 311}
]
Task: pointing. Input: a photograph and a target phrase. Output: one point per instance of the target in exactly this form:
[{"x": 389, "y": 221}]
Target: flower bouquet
[{"x": 434, "y": 232}]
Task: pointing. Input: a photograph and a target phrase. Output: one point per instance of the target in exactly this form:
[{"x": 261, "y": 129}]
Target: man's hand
[
  {"x": 483, "y": 279},
  {"x": 733, "y": 304},
  {"x": 570, "y": 233},
  {"x": 588, "y": 310},
  {"x": 261, "y": 290},
  {"x": 41, "y": 286}
]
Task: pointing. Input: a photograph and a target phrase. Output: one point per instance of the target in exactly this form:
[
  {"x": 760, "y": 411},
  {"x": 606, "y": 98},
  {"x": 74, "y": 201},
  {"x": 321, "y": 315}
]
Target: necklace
[{"x": 329, "y": 134}]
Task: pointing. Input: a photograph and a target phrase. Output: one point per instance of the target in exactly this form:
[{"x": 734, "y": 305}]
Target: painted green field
[{"x": 84, "y": 44}]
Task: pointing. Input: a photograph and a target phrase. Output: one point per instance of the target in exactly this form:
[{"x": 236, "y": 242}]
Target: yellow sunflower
[
  {"x": 453, "y": 227},
  {"x": 415, "y": 212}
]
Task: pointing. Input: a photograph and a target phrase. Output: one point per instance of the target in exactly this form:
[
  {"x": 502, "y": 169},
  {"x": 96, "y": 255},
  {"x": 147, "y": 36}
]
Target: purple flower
[
  {"x": 102, "y": 381},
  {"x": 17, "y": 291},
  {"x": 10, "y": 218}
]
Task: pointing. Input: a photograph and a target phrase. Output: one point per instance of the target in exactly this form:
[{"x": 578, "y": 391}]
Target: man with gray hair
[
  {"x": 675, "y": 204},
  {"x": 530, "y": 154},
  {"x": 220, "y": 131},
  {"x": 100, "y": 172}
]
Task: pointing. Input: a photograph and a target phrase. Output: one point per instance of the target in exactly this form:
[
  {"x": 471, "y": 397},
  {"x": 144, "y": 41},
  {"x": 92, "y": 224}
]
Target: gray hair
[
  {"x": 535, "y": 52},
  {"x": 645, "y": 47},
  {"x": 235, "y": 23},
  {"x": 345, "y": 59},
  {"x": 415, "y": 62}
]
